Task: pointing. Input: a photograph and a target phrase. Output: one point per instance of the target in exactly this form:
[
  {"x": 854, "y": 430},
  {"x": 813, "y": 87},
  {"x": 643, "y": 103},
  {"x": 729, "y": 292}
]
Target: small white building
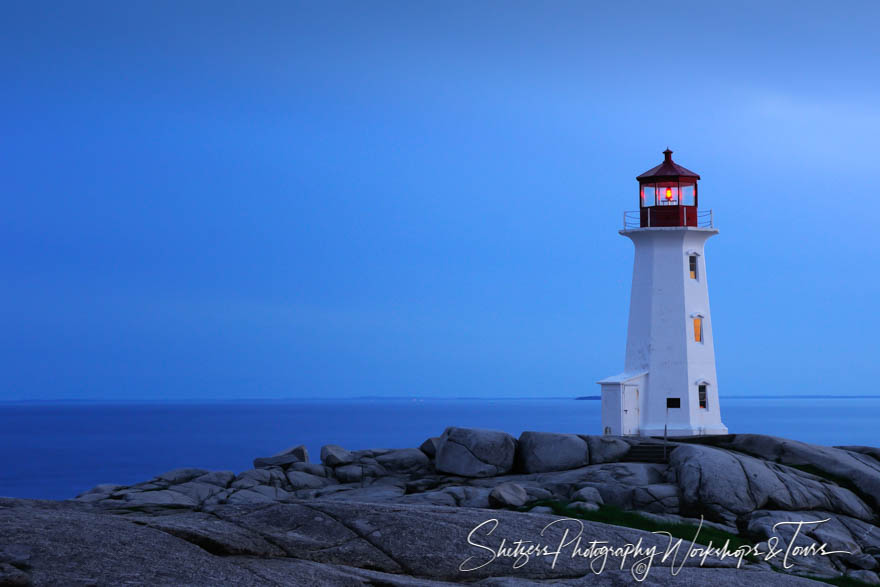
[{"x": 668, "y": 384}]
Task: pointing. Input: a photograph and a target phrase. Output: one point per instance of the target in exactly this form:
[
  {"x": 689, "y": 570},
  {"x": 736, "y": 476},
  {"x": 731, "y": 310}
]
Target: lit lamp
[{"x": 671, "y": 187}]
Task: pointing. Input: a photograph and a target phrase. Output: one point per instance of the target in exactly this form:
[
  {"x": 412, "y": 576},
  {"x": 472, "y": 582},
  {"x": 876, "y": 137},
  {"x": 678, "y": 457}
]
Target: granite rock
[
  {"x": 740, "y": 483},
  {"x": 541, "y": 452},
  {"x": 285, "y": 458},
  {"x": 334, "y": 455},
  {"x": 474, "y": 452},
  {"x": 606, "y": 449},
  {"x": 588, "y": 494},
  {"x": 403, "y": 461},
  {"x": 859, "y": 467},
  {"x": 429, "y": 447},
  {"x": 508, "y": 495},
  {"x": 726, "y": 484}
]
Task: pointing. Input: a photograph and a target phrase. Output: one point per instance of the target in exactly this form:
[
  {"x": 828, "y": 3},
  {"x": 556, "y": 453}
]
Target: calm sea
[{"x": 57, "y": 451}]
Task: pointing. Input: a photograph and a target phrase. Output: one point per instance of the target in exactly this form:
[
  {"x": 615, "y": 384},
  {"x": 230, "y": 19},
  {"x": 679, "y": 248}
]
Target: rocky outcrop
[
  {"x": 606, "y": 449},
  {"x": 429, "y": 447},
  {"x": 407, "y": 460},
  {"x": 318, "y": 543},
  {"x": 333, "y": 455},
  {"x": 856, "y": 537},
  {"x": 472, "y": 452},
  {"x": 540, "y": 452},
  {"x": 508, "y": 495},
  {"x": 725, "y": 485},
  {"x": 856, "y": 467},
  {"x": 294, "y": 454},
  {"x": 737, "y": 484},
  {"x": 658, "y": 498}
]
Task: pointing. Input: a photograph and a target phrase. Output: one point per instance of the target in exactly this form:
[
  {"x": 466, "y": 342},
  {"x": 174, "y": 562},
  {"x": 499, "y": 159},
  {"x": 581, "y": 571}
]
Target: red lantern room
[{"x": 668, "y": 195}]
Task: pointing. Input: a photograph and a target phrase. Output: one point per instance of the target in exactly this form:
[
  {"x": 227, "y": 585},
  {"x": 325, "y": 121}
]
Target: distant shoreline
[
  {"x": 799, "y": 396},
  {"x": 200, "y": 401}
]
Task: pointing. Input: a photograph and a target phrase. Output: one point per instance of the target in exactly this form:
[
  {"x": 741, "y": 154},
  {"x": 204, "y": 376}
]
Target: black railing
[
  {"x": 633, "y": 219},
  {"x": 704, "y": 219}
]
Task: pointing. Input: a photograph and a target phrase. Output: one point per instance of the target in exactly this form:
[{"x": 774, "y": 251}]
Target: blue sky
[{"x": 253, "y": 200}]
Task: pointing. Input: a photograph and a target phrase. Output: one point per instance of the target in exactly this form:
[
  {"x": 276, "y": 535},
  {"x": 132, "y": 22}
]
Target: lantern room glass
[
  {"x": 648, "y": 195},
  {"x": 688, "y": 194},
  {"x": 669, "y": 193}
]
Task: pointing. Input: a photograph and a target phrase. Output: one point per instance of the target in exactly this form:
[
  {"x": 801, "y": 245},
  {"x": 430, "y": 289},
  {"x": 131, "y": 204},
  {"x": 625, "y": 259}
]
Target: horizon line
[{"x": 379, "y": 397}]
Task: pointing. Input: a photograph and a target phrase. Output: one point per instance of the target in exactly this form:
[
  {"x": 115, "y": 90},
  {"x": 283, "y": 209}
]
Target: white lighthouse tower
[{"x": 668, "y": 384}]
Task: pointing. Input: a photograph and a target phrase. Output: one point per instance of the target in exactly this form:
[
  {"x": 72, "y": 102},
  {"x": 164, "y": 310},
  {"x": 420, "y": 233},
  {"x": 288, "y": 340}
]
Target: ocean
[{"x": 55, "y": 451}]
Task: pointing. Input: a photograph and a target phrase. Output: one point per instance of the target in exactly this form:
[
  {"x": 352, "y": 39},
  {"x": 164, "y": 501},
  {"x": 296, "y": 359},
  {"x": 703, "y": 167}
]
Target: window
[
  {"x": 692, "y": 261},
  {"x": 704, "y": 402},
  {"x": 698, "y": 329},
  {"x": 673, "y": 402},
  {"x": 648, "y": 195},
  {"x": 667, "y": 194},
  {"x": 688, "y": 194}
]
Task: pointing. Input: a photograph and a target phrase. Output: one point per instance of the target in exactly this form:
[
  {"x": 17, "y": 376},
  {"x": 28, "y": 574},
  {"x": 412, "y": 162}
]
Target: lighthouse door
[{"x": 630, "y": 404}]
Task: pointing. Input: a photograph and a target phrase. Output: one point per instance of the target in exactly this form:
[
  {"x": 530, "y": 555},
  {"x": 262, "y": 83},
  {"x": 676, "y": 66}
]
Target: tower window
[
  {"x": 692, "y": 262},
  {"x": 698, "y": 329},
  {"x": 704, "y": 402}
]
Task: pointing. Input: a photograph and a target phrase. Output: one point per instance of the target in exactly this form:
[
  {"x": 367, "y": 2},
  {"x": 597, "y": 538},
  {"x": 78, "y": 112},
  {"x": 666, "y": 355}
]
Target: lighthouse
[{"x": 668, "y": 385}]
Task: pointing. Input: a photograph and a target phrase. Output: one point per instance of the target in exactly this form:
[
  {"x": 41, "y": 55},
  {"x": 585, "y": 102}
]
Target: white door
[{"x": 630, "y": 409}]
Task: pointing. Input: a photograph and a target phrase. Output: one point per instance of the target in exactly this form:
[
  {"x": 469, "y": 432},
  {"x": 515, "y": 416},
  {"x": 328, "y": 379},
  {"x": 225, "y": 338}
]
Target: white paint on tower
[{"x": 669, "y": 384}]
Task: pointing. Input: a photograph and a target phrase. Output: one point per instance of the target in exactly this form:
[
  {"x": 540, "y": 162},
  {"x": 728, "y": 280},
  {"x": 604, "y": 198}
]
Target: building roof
[
  {"x": 668, "y": 170},
  {"x": 623, "y": 377}
]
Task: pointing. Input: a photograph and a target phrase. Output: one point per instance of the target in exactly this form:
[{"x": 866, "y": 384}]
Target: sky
[{"x": 217, "y": 200}]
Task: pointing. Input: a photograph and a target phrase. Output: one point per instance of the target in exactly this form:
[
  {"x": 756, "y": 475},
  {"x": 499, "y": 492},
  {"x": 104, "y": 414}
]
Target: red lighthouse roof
[{"x": 669, "y": 170}]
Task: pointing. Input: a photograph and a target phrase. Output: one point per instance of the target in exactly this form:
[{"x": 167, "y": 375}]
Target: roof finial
[{"x": 667, "y": 155}]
